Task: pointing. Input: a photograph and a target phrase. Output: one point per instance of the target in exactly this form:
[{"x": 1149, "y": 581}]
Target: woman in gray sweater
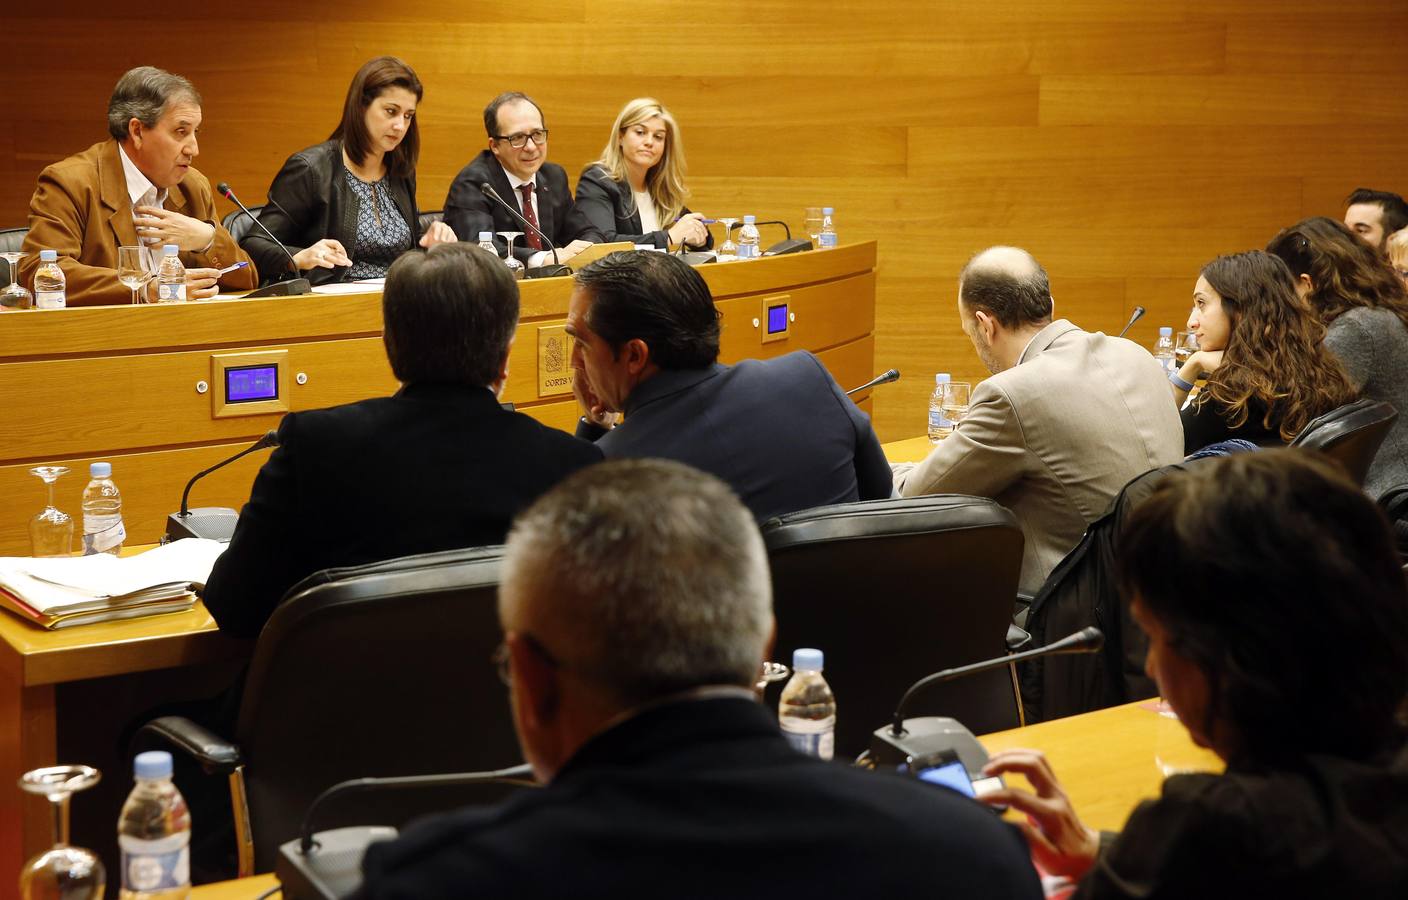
[{"x": 1365, "y": 309}]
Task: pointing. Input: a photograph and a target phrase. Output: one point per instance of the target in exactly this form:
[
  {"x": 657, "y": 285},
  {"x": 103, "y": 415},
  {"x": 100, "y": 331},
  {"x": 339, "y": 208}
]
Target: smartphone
[{"x": 945, "y": 768}]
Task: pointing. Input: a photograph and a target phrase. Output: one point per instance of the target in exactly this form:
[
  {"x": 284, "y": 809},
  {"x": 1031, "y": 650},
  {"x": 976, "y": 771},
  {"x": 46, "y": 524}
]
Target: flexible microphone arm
[
  {"x": 1138, "y": 314},
  {"x": 224, "y": 189},
  {"x": 270, "y": 439},
  {"x": 487, "y": 190},
  {"x": 886, "y": 378},
  {"x": 776, "y": 222},
  {"x": 520, "y": 774},
  {"x": 1087, "y": 640}
]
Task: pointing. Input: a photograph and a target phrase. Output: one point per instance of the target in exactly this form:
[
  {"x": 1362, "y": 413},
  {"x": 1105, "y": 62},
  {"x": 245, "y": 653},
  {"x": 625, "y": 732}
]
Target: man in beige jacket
[{"x": 1066, "y": 419}]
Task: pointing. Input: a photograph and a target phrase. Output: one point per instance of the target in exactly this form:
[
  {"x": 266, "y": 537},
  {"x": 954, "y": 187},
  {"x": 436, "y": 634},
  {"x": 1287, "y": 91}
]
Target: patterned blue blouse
[{"x": 382, "y": 232}]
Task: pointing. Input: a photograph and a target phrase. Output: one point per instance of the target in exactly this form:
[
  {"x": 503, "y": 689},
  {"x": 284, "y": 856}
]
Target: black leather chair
[
  {"x": 239, "y": 224},
  {"x": 435, "y": 215},
  {"x": 11, "y": 240},
  {"x": 377, "y": 670},
  {"x": 1350, "y": 434},
  {"x": 1394, "y": 503},
  {"x": 893, "y": 590}
]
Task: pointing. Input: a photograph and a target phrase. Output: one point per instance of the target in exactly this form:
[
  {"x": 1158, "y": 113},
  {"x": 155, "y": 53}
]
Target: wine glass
[
  {"x": 51, "y": 531},
  {"x": 770, "y": 673},
  {"x": 954, "y": 401},
  {"x": 132, "y": 269},
  {"x": 514, "y": 266},
  {"x": 15, "y": 296},
  {"x": 72, "y": 873},
  {"x": 728, "y": 247},
  {"x": 813, "y": 224},
  {"x": 1185, "y": 346}
]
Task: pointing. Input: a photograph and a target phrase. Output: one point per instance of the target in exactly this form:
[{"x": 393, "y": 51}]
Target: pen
[
  {"x": 228, "y": 269},
  {"x": 702, "y": 221}
]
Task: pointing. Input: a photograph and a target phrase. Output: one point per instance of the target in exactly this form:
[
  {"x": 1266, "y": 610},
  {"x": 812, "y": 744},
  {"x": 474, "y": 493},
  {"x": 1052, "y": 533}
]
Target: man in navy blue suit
[{"x": 780, "y": 432}]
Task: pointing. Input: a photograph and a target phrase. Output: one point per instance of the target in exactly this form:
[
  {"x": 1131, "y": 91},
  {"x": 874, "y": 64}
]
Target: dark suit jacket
[
  {"x": 703, "y": 798},
  {"x": 780, "y": 432},
  {"x": 469, "y": 212},
  {"x": 317, "y": 203},
  {"x": 434, "y": 467},
  {"x": 81, "y": 209},
  {"x": 611, "y": 208}
]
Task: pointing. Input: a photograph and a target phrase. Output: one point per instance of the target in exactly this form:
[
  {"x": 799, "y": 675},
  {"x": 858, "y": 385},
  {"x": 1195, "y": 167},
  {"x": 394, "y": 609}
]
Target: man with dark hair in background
[
  {"x": 515, "y": 165},
  {"x": 780, "y": 432},
  {"x": 1374, "y": 215},
  {"x": 137, "y": 188},
  {"x": 1067, "y": 418},
  {"x": 438, "y": 465},
  {"x": 637, "y": 612}
]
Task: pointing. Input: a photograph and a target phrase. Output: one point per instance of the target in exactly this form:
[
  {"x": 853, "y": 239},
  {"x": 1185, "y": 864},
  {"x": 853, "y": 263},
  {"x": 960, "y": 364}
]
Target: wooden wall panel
[{"x": 1125, "y": 143}]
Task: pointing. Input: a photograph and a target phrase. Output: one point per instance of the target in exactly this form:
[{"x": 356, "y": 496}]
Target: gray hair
[
  {"x": 143, "y": 94},
  {"x": 656, "y": 571}
]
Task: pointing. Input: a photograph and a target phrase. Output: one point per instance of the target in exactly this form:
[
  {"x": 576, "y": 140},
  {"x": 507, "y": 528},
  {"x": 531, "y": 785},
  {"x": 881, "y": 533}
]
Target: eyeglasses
[
  {"x": 518, "y": 141},
  {"x": 500, "y": 657}
]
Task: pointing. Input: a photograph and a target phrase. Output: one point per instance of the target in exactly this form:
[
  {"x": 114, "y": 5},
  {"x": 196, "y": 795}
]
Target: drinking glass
[
  {"x": 954, "y": 403},
  {"x": 728, "y": 247},
  {"x": 813, "y": 224},
  {"x": 770, "y": 673},
  {"x": 515, "y": 267},
  {"x": 71, "y": 873},
  {"x": 51, "y": 532},
  {"x": 132, "y": 269},
  {"x": 1185, "y": 346},
  {"x": 15, "y": 296}
]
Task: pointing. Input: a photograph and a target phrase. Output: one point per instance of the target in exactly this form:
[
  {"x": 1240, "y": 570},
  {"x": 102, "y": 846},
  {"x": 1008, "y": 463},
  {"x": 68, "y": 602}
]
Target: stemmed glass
[
  {"x": 72, "y": 873},
  {"x": 728, "y": 247},
  {"x": 770, "y": 673},
  {"x": 954, "y": 403},
  {"x": 1185, "y": 346},
  {"x": 15, "y": 296},
  {"x": 514, "y": 266},
  {"x": 51, "y": 531},
  {"x": 813, "y": 225},
  {"x": 132, "y": 269}
]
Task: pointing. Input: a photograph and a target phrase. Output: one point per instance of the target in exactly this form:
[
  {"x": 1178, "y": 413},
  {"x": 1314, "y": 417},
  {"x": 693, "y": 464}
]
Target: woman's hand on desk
[
  {"x": 437, "y": 233},
  {"x": 326, "y": 254},
  {"x": 689, "y": 230},
  {"x": 1059, "y": 841}
]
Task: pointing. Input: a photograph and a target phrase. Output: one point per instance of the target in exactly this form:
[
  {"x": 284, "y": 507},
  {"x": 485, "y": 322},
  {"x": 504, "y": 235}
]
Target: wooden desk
[
  {"x": 1105, "y": 760},
  {"x": 908, "y": 450}
]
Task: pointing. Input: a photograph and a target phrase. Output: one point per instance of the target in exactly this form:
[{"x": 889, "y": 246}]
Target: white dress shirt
[{"x": 142, "y": 192}]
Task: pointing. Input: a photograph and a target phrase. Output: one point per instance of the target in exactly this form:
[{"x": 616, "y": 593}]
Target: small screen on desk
[
  {"x": 777, "y": 318},
  {"x": 246, "y": 384}
]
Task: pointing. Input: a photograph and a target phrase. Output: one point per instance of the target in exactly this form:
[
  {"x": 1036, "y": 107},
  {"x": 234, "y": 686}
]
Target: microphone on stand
[
  {"x": 557, "y": 268},
  {"x": 213, "y": 522},
  {"x": 292, "y": 287},
  {"x": 905, "y": 739},
  {"x": 1138, "y": 314},
  {"x": 886, "y": 378}
]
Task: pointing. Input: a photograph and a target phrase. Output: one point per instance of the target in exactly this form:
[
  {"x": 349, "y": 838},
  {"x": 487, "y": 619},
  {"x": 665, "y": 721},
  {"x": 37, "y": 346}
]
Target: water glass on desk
[
  {"x": 954, "y": 404},
  {"x": 1184, "y": 346},
  {"x": 813, "y": 225},
  {"x": 132, "y": 269},
  {"x": 51, "y": 531},
  {"x": 15, "y": 296}
]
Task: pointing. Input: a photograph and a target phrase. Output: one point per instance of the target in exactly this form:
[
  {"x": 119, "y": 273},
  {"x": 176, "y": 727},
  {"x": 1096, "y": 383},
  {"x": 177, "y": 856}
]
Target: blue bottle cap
[
  {"x": 807, "y": 659},
  {"x": 100, "y": 470},
  {"x": 1165, "y": 331},
  {"x": 170, "y": 249},
  {"x": 749, "y": 220},
  {"x": 152, "y": 764},
  {"x": 827, "y": 210},
  {"x": 942, "y": 378},
  {"x": 48, "y": 255}
]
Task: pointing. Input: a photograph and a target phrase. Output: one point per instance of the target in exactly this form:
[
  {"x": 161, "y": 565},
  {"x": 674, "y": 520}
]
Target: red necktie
[{"x": 533, "y": 240}]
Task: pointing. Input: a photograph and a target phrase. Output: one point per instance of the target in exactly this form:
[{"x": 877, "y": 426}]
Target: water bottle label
[
  {"x": 49, "y": 299},
  {"x": 938, "y": 422},
  {"x": 747, "y": 251},
  {"x": 159, "y": 865},
  {"x": 105, "y": 540},
  {"x": 828, "y": 240},
  {"x": 168, "y": 293},
  {"x": 821, "y": 744}
]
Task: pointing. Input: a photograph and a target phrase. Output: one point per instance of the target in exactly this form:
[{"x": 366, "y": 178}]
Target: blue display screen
[
  {"x": 950, "y": 775},
  {"x": 777, "y": 319},
  {"x": 247, "y": 384}
]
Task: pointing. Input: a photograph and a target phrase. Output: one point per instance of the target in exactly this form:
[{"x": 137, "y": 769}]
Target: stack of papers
[{"x": 57, "y": 592}]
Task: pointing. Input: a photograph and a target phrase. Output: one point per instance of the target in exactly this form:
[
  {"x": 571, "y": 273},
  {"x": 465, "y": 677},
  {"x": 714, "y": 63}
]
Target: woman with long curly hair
[
  {"x": 1260, "y": 348},
  {"x": 1364, "y": 307}
]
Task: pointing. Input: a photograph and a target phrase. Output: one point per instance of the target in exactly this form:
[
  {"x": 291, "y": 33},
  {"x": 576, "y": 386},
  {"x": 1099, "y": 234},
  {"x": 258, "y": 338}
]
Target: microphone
[
  {"x": 1138, "y": 314},
  {"x": 902, "y": 739},
  {"x": 292, "y": 287},
  {"x": 329, "y": 864},
  {"x": 213, "y": 522},
  {"x": 557, "y": 268},
  {"x": 886, "y": 378},
  {"x": 782, "y": 248}
]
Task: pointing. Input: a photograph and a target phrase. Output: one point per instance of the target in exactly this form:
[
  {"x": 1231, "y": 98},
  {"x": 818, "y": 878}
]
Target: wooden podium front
[{"x": 143, "y": 386}]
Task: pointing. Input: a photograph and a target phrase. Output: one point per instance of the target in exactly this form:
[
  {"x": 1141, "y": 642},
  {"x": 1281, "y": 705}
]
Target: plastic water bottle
[
  {"x": 102, "y": 512},
  {"x": 1163, "y": 350},
  {"x": 827, "y": 239},
  {"x": 807, "y": 710},
  {"x": 154, "y": 834},
  {"x": 748, "y": 246},
  {"x": 50, "y": 285},
  {"x": 486, "y": 242},
  {"x": 171, "y": 276},
  {"x": 940, "y": 426}
]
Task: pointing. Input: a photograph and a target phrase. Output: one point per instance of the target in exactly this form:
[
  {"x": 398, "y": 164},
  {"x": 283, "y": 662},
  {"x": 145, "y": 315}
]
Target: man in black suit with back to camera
[
  {"x": 779, "y": 431},
  {"x": 637, "y": 611},
  {"x": 437, "y": 466},
  {"x": 515, "y": 165}
]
